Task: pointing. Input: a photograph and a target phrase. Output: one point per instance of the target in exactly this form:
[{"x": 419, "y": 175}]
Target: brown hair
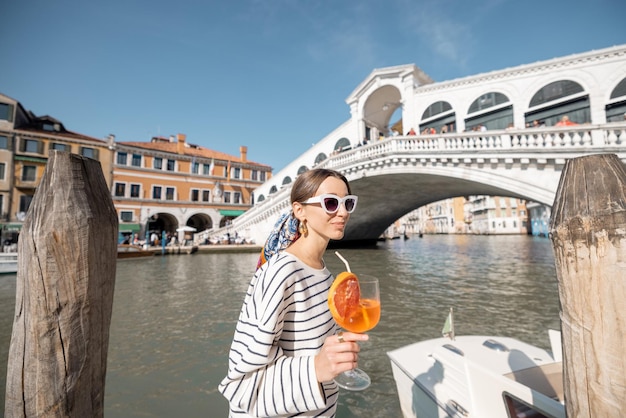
[{"x": 308, "y": 182}]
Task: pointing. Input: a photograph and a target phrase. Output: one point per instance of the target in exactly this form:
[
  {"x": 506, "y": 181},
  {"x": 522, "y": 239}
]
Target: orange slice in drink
[{"x": 344, "y": 297}]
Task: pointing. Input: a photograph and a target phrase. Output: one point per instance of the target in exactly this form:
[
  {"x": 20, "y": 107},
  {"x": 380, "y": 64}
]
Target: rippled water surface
[{"x": 174, "y": 316}]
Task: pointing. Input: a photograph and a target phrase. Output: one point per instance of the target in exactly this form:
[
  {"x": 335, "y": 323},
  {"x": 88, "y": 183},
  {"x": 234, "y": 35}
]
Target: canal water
[{"x": 174, "y": 316}]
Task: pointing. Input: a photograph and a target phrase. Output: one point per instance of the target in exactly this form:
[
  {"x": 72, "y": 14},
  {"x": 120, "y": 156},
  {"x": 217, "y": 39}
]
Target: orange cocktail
[
  {"x": 354, "y": 302},
  {"x": 361, "y": 318}
]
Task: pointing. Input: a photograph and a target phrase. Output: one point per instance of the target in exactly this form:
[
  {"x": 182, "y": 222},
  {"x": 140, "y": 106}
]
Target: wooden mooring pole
[
  {"x": 64, "y": 294},
  {"x": 588, "y": 233}
]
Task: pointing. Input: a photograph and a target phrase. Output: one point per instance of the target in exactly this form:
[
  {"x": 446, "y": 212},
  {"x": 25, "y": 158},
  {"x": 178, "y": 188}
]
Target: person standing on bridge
[
  {"x": 286, "y": 352},
  {"x": 565, "y": 121}
]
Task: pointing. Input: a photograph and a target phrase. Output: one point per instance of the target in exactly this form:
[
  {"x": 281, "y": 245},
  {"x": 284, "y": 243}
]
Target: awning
[
  {"x": 30, "y": 159},
  {"x": 12, "y": 226},
  {"x": 231, "y": 212},
  {"x": 129, "y": 228}
]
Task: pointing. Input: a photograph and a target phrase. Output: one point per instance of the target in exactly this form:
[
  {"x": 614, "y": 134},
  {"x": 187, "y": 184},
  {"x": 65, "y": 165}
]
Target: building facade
[
  {"x": 480, "y": 215},
  {"x": 26, "y": 141},
  {"x": 169, "y": 186},
  {"x": 166, "y": 186},
  {"x": 496, "y": 215}
]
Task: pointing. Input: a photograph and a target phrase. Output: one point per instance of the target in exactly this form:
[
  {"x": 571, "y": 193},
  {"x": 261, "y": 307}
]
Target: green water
[{"x": 174, "y": 316}]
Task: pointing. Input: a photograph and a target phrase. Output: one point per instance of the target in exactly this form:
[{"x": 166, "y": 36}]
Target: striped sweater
[{"x": 283, "y": 323}]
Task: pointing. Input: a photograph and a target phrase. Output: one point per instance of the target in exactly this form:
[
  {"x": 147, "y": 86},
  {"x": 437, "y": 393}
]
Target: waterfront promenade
[
  {"x": 234, "y": 248},
  {"x": 211, "y": 249}
]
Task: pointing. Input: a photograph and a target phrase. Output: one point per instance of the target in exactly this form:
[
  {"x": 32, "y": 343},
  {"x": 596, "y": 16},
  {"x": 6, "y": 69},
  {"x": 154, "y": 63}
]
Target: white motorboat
[
  {"x": 8, "y": 263},
  {"x": 479, "y": 376}
]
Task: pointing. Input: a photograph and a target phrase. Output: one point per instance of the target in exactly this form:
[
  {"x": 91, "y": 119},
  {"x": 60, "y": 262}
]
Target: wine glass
[{"x": 360, "y": 319}]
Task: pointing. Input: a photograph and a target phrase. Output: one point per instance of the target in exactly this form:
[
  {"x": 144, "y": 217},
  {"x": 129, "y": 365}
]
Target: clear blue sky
[{"x": 269, "y": 74}]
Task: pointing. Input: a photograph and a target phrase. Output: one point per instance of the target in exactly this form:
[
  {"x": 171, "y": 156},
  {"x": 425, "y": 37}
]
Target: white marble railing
[{"x": 548, "y": 139}]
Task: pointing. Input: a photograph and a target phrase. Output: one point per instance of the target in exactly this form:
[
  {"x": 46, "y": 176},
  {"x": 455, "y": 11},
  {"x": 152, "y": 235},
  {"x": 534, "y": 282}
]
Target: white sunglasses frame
[{"x": 342, "y": 201}]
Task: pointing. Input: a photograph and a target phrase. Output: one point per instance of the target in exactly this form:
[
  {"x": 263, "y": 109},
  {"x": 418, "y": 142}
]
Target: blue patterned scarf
[{"x": 285, "y": 232}]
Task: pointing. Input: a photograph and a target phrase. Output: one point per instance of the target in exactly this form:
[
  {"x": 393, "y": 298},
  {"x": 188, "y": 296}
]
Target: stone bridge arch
[{"x": 388, "y": 195}]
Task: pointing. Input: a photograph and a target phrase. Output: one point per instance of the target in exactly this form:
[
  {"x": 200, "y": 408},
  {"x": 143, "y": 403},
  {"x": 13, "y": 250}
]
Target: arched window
[
  {"x": 438, "y": 115},
  {"x": 616, "y": 108},
  {"x": 342, "y": 145},
  {"x": 261, "y": 198},
  {"x": 320, "y": 157},
  {"x": 619, "y": 90},
  {"x": 486, "y": 101},
  {"x": 286, "y": 180},
  {"x": 558, "y": 99},
  {"x": 555, "y": 91},
  {"x": 273, "y": 189},
  {"x": 492, "y": 110},
  {"x": 302, "y": 169},
  {"x": 435, "y": 109}
]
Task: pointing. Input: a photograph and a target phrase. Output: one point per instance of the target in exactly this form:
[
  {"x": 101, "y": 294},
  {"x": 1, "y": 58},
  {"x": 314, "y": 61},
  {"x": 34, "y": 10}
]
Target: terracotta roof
[
  {"x": 188, "y": 150},
  {"x": 33, "y": 123},
  {"x": 64, "y": 134}
]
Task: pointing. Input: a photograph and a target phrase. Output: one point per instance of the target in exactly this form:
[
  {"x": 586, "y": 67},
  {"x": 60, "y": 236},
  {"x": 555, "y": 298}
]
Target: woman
[{"x": 285, "y": 352}]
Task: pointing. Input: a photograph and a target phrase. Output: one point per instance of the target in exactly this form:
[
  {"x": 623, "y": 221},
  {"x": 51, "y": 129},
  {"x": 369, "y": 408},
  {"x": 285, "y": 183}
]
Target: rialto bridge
[
  {"x": 397, "y": 175},
  {"x": 492, "y": 134}
]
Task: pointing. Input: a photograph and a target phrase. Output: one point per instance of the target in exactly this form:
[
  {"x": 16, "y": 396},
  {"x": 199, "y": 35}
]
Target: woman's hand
[{"x": 338, "y": 354}]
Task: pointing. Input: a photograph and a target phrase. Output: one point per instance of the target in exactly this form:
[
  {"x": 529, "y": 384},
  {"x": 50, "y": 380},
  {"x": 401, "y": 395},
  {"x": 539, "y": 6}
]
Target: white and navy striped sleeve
[{"x": 282, "y": 326}]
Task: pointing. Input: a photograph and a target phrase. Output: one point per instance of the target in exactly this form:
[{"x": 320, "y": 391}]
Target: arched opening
[
  {"x": 342, "y": 145},
  {"x": 437, "y": 116},
  {"x": 273, "y": 189},
  {"x": 320, "y": 157},
  {"x": 397, "y": 126},
  {"x": 558, "y": 99},
  {"x": 286, "y": 180},
  {"x": 492, "y": 110},
  {"x": 160, "y": 224},
  {"x": 200, "y": 222},
  {"x": 378, "y": 111},
  {"x": 302, "y": 169},
  {"x": 616, "y": 108}
]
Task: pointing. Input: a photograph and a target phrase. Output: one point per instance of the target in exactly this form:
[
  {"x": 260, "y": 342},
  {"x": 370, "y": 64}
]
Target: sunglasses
[{"x": 331, "y": 202}]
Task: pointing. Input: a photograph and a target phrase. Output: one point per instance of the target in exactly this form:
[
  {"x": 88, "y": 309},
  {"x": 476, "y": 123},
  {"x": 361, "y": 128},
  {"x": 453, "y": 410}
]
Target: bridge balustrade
[{"x": 571, "y": 137}]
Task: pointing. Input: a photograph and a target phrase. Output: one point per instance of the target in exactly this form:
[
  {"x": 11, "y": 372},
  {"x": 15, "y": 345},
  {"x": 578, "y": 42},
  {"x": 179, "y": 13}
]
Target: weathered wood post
[
  {"x": 588, "y": 233},
  {"x": 64, "y": 294}
]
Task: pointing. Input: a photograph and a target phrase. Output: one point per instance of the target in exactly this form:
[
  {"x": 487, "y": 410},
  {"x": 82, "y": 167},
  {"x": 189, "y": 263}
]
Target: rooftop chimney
[
  {"x": 244, "y": 153},
  {"x": 180, "y": 146},
  {"x": 111, "y": 141}
]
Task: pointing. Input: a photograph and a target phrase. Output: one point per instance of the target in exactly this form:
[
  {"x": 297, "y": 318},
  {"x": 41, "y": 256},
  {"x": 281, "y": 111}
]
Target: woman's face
[{"x": 318, "y": 221}]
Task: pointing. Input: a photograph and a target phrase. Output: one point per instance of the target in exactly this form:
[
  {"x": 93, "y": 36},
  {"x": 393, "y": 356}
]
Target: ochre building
[
  {"x": 166, "y": 186},
  {"x": 26, "y": 141}
]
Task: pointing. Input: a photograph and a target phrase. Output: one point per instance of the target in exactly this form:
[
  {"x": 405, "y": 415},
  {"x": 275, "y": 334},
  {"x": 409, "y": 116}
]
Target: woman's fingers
[
  {"x": 339, "y": 354},
  {"x": 351, "y": 336}
]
